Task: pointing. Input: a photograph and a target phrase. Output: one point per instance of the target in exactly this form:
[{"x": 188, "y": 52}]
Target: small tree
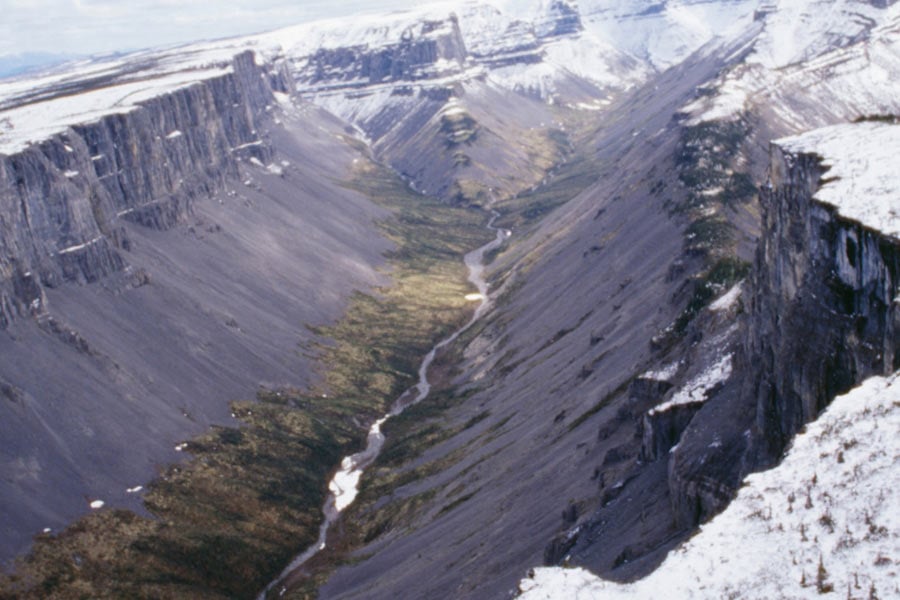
[{"x": 823, "y": 586}]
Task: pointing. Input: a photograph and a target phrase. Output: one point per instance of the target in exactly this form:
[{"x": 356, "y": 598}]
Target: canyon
[{"x": 221, "y": 263}]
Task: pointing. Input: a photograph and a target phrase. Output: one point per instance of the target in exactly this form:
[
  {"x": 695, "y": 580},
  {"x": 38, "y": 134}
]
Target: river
[{"x": 344, "y": 485}]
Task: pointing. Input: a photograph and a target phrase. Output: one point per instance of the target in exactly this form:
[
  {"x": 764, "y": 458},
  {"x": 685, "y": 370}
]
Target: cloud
[{"x": 93, "y": 26}]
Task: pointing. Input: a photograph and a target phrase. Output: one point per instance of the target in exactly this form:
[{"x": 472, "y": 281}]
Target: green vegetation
[
  {"x": 723, "y": 274},
  {"x": 708, "y": 158},
  {"x": 708, "y": 233},
  {"x": 226, "y": 522},
  {"x": 705, "y": 157},
  {"x": 886, "y": 118},
  {"x": 531, "y": 206}
]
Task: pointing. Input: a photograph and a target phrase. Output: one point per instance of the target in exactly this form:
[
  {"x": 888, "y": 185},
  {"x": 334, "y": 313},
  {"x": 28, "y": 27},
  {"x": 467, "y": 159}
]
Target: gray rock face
[
  {"x": 560, "y": 17},
  {"x": 823, "y": 314},
  {"x": 64, "y": 202},
  {"x": 822, "y": 318},
  {"x": 661, "y": 430},
  {"x": 413, "y": 57}
]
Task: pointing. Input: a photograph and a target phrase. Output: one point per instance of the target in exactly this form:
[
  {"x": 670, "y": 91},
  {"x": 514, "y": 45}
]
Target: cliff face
[
  {"x": 823, "y": 313},
  {"x": 822, "y": 317},
  {"x": 64, "y": 201},
  {"x": 423, "y": 50},
  {"x": 158, "y": 261}
]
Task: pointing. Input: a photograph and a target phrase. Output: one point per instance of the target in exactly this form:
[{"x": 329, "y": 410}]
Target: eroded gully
[{"x": 344, "y": 485}]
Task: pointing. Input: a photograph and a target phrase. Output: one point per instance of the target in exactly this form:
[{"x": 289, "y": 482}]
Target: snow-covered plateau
[
  {"x": 861, "y": 180},
  {"x": 826, "y": 520},
  {"x": 524, "y": 46}
]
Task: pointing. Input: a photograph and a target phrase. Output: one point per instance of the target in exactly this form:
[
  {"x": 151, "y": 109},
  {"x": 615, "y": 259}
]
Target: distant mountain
[{"x": 18, "y": 64}]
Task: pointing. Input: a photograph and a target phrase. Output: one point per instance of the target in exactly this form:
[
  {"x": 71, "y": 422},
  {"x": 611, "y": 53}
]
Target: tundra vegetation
[{"x": 226, "y": 521}]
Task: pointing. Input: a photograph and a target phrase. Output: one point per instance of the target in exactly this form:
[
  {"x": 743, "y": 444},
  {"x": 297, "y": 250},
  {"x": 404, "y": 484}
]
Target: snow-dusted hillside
[
  {"x": 826, "y": 520},
  {"x": 812, "y": 64},
  {"x": 665, "y": 32},
  {"x": 32, "y": 109},
  {"x": 346, "y": 65}
]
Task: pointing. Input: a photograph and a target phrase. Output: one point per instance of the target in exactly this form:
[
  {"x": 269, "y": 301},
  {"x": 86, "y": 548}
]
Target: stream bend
[{"x": 344, "y": 485}]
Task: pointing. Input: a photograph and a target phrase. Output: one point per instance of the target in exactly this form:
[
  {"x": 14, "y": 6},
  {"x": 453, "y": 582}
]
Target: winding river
[{"x": 344, "y": 486}]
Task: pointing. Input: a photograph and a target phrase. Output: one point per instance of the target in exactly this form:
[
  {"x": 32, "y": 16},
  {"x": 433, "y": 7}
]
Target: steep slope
[
  {"x": 836, "y": 67},
  {"x": 677, "y": 374},
  {"x": 154, "y": 269},
  {"x": 440, "y": 73},
  {"x": 518, "y": 441},
  {"x": 631, "y": 374},
  {"x": 176, "y": 223},
  {"x": 664, "y": 32}
]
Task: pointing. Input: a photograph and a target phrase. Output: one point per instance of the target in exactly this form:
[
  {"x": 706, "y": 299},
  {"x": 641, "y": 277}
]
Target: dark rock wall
[
  {"x": 821, "y": 318},
  {"x": 63, "y": 201},
  {"x": 561, "y": 18},
  {"x": 823, "y": 311},
  {"x": 411, "y": 58}
]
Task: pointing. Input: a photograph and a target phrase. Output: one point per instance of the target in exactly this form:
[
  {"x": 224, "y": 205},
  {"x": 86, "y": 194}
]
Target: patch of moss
[{"x": 705, "y": 159}]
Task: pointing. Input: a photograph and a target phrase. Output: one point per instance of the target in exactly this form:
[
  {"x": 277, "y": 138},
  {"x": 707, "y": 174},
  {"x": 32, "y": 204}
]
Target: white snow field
[{"x": 826, "y": 520}]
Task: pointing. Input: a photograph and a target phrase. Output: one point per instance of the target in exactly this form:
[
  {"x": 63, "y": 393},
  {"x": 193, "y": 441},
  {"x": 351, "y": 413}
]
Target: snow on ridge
[
  {"x": 664, "y": 33},
  {"x": 697, "y": 389},
  {"x": 665, "y": 373},
  {"x": 815, "y": 63},
  {"x": 798, "y": 31},
  {"x": 862, "y": 181},
  {"x": 728, "y": 300},
  {"x": 825, "y": 521},
  {"x": 25, "y": 122}
]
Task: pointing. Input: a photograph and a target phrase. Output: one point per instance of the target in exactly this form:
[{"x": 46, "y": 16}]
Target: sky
[{"x": 81, "y": 27}]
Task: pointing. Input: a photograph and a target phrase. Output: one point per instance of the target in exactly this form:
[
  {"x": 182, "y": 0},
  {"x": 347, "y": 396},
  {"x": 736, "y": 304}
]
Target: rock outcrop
[
  {"x": 822, "y": 317},
  {"x": 823, "y": 314},
  {"x": 424, "y": 49},
  {"x": 64, "y": 200}
]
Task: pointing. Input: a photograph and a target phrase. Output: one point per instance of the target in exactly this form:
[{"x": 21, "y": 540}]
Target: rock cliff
[
  {"x": 823, "y": 314},
  {"x": 65, "y": 199},
  {"x": 162, "y": 254},
  {"x": 822, "y": 317}
]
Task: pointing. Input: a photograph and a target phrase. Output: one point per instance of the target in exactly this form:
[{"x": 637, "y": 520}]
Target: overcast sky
[{"x": 92, "y": 26}]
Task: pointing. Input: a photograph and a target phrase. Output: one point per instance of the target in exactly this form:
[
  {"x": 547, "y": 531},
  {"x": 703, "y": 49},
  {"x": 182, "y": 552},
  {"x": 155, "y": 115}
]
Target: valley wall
[
  {"x": 824, "y": 314},
  {"x": 821, "y": 318},
  {"x": 156, "y": 265},
  {"x": 64, "y": 201}
]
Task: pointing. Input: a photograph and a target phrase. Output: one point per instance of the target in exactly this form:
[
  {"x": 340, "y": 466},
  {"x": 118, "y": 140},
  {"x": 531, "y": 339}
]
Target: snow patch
[
  {"x": 699, "y": 387},
  {"x": 664, "y": 374},
  {"x": 862, "y": 178},
  {"x": 728, "y": 300},
  {"x": 78, "y": 247}
]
